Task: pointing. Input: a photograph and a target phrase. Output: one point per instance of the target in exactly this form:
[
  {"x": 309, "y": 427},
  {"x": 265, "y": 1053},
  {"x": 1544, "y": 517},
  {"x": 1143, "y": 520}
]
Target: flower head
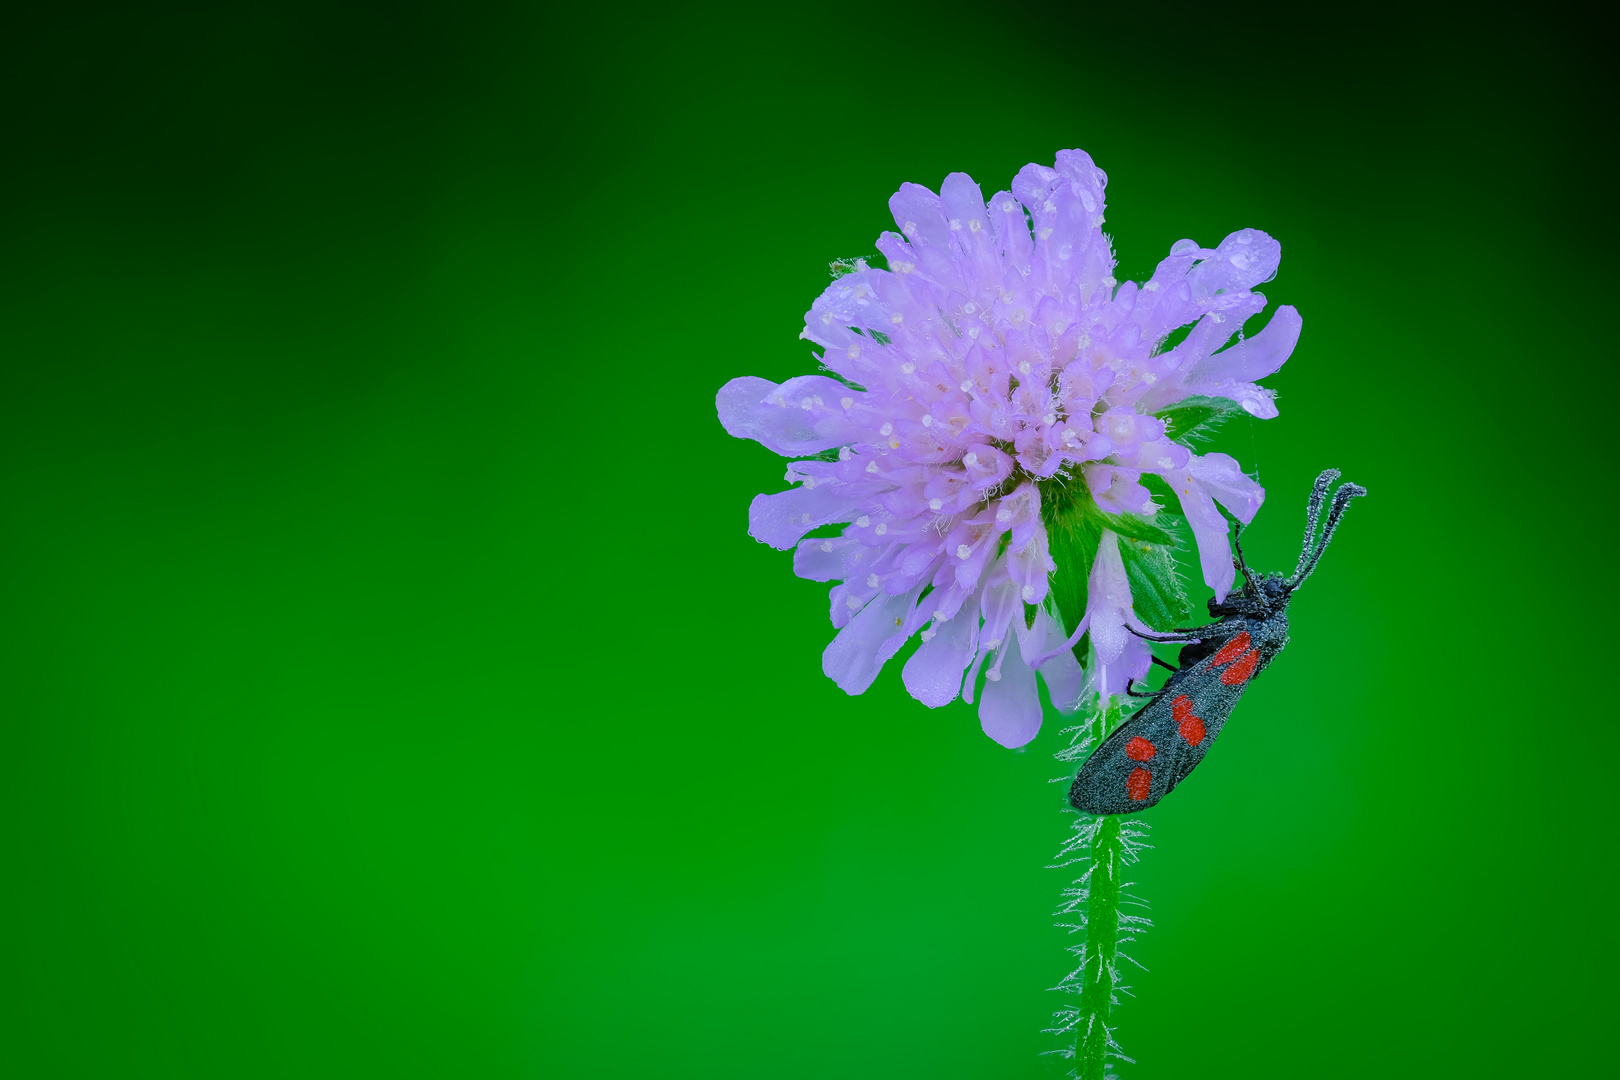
[{"x": 995, "y": 380}]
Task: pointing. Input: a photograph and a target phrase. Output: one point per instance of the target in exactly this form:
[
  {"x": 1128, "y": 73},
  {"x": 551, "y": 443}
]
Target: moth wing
[{"x": 1137, "y": 765}]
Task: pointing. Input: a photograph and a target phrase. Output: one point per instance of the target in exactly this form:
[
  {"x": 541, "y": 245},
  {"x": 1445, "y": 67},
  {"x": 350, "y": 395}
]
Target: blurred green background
[{"x": 388, "y": 684}]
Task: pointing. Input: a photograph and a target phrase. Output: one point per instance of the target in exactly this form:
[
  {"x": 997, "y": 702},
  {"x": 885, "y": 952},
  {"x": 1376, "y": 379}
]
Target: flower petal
[
  {"x": 1043, "y": 645},
  {"x": 860, "y": 650},
  {"x": 1223, "y": 478},
  {"x": 825, "y": 558},
  {"x": 780, "y": 519},
  {"x": 1244, "y": 260},
  {"x": 1010, "y": 711},
  {"x": 1206, "y": 478},
  {"x": 933, "y": 675},
  {"x": 802, "y": 416}
]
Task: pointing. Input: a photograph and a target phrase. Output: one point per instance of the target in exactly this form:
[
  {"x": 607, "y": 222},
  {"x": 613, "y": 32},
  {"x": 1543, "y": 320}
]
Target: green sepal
[
  {"x": 1072, "y": 541},
  {"x": 1195, "y": 419},
  {"x": 1156, "y": 593},
  {"x": 1074, "y": 527}
]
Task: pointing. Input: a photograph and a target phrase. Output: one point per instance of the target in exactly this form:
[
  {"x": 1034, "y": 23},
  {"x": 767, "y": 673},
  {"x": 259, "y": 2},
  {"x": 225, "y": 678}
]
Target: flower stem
[
  {"x": 1102, "y": 947},
  {"x": 1105, "y": 846}
]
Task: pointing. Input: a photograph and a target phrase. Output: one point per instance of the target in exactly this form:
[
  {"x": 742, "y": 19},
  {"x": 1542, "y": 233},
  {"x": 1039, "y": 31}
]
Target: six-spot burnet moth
[{"x": 1154, "y": 750}]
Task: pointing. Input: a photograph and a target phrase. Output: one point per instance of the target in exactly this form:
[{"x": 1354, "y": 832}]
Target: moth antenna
[
  {"x": 1341, "y": 502},
  {"x": 1313, "y": 511},
  {"x": 1248, "y": 579}
]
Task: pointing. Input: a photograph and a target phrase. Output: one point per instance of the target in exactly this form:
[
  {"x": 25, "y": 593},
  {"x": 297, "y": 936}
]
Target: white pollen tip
[
  {"x": 927, "y": 420},
  {"x": 927, "y": 635},
  {"x": 871, "y": 467},
  {"x": 872, "y": 581},
  {"x": 971, "y": 459},
  {"x": 935, "y": 504},
  {"x": 886, "y": 429},
  {"x": 852, "y": 603},
  {"x": 1004, "y": 515},
  {"x": 908, "y": 367},
  {"x": 1029, "y": 592},
  {"x": 993, "y": 675},
  {"x": 881, "y": 529},
  {"x": 967, "y": 385},
  {"x": 846, "y": 402},
  {"x": 863, "y": 521},
  {"x": 963, "y": 551},
  {"x": 826, "y": 545}
]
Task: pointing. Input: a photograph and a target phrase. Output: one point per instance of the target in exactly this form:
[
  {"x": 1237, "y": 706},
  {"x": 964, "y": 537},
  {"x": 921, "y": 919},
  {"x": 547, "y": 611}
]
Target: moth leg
[
  {"x": 1165, "y": 664},
  {"x": 1132, "y": 693},
  {"x": 1241, "y": 565},
  {"x": 1175, "y": 637}
]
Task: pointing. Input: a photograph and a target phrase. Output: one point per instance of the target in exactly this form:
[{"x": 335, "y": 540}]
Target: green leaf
[
  {"x": 1072, "y": 540},
  {"x": 1138, "y": 527},
  {"x": 1074, "y": 529},
  {"x": 1156, "y": 592},
  {"x": 1195, "y": 419}
]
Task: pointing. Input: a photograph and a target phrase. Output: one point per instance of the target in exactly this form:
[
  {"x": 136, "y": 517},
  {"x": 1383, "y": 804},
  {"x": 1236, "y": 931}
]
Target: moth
[{"x": 1152, "y": 751}]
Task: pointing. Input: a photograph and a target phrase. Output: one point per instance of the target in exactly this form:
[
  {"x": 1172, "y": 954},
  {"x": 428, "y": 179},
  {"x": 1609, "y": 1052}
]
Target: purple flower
[{"x": 997, "y": 368}]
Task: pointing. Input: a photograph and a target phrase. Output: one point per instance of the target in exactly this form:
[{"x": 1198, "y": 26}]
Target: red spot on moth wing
[
  {"x": 1232, "y": 649},
  {"x": 1241, "y": 670},
  {"x": 1138, "y": 785},
  {"x": 1139, "y": 749},
  {"x": 1192, "y": 729}
]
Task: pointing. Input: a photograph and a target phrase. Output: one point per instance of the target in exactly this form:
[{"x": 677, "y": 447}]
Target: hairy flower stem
[
  {"x": 1105, "y": 847},
  {"x": 1102, "y": 949}
]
